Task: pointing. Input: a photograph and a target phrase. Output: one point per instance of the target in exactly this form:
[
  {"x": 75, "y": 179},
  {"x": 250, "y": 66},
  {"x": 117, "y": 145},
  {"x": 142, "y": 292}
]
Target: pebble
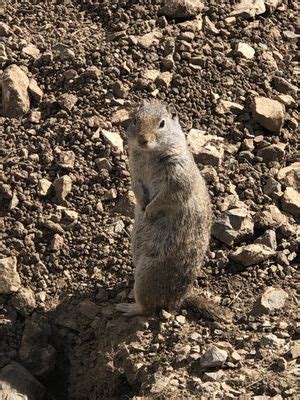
[
  {"x": 114, "y": 139},
  {"x": 181, "y": 8},
  {"x": 213, "y": 357},
  {"x": 268, "y": 239},
  {"x": 43, "y": 187},
  {"x": 57, "y": 242},
  {"x": 225, "y": 106},
  {"x": 249, "y": 8},
  {"x": 164, "y": 79},
  {"x": 67, "y": 101},
  {"x": 271, "y": 341},
  {"x": 274, "y": 152},
  {"x": 149, "y": 39},
  {"x": 271, "y": 300},
  {"x": 9, "y": 277},
  {"x": 295, "y": 351},
  {"x": 66, "y": 159},
  {"x": 15, "y": 97},
  {"x": 268, "y": 113},
  {"x": 24, "y": 301},
  {"x": 245, "y": 50},
  {"x": 35, "y": 91},
  {"x": 31, "y": 50},
  {"x": 252, "y": 254},
  {"x": 63, "y": 187},
  {"x": 126, "y": 204}
]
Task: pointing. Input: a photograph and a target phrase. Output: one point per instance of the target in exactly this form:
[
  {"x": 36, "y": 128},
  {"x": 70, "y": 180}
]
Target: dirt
[{"x": 73, "y": 246}]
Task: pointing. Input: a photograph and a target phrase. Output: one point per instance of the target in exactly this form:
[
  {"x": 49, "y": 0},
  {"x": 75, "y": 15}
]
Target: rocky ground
[{"x": 71, "y": 72}]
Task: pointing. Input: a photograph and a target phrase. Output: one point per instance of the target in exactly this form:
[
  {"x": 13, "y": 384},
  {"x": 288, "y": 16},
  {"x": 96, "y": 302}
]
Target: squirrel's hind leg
[{"x": 130, "y": 309}]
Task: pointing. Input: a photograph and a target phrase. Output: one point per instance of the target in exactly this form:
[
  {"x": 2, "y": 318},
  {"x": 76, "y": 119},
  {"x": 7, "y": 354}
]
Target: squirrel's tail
[{"x": 210, "y": 310}]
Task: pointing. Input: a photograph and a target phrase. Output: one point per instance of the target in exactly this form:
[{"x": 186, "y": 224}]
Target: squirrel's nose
[{"x": 142, "y": 139}]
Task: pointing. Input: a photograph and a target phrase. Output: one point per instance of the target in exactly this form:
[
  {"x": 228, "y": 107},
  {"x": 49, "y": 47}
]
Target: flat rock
[
  {"x": 15, "y": 97},
  {"x": 283, "y": 86},
  {"x": 252, "y": 254},
  {"x": 268, "y": 113},
  {"x": 245, "y": 50},
  {"x": 149, "y": 39},
  {"x": 295, "y": 351},
  {"x": 291, "y": 201},
  {"x": 63, "y": 187},
  {"x": 43, "y": 187},
  {"x": 274, "y": 152},
  {"x": 225, "y": 106},
  {"x": 213, "y": 357},
  {"x": 290, "y": 176},
  {"x": 271, "y": 300},
  {"x": 181, "y": 8},
  {"x": 66, "y": 159},
  {"x": 9, "y": 278},
  {"x": 31, "y": 50},
  {"x": 17, "y": 383},
  {"x": 233, "y": 225},
  {"x": 67, "y": 101},
  {"x": 114, "y": 139},
  {"x": 249, "y": 8},
  {"x": 164, "y": 79},
  {"x": 207, "y": 149}
]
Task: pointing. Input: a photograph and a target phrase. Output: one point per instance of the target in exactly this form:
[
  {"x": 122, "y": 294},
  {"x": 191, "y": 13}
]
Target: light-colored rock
[
  {"x": 271, "y": 300},
  {"x": 285, "y": 99},
  {"x": 151, "y": 74},
  {"x": 35, "y": 91},
  {"x": 13, "y": 202},
  {"x": 284, "y": 86},
  {"x": 249, "y": 8},
  {"x": 17, "y": 383},
  {"x": 31, "y": 50},
  {"x": 120, "y": 117},
  {"x": 295, "y": 351},
  {"x": 67, "y": 101},
  {"x": 245, "y": 50},
  {"x": 290, "y": 176},
  {"x": 9, "y": 277},
  {"x": 91, "y": 72},
  {"x": 268, "y": 113},
  {"x": 24, "y": 301},
  {"x": 126, "y": 205},
  {"x": 181, "y": 8},
  {"x": 43, "y": 187},
  {"x": 210, "y": 26},
  {"x": 272, "y": 4},
  {"x": 149, "y": 39},
  {"x": 207, "y": 149},
  {"x": 66, "y": 159},
  {"x": 272, "y": 188},
  {"x": 35, "y": 116},
  {"x": 63, "y": 187},
  {"x": 268, "y": 239},
  {"x": 233, "y": 225},
  {"x": 15, "y": 97},
  {"x": 291, "y": 201},
  {"x": 4, "y": 29},
  {"x": 57, "y": 242},
  {"x": 252, "y": 254},
  {"x": 164, "y": 79},
  {"x": 213, "y": 357},
  {"x": 103, "y": 163},
  {"x": 3, "y": 55},
  {"x": 113, "y": 139},
  {"x": 274, "y": 152},
  {"x": 70, "y": 215},
  {"x": 271, "y": 341},
  {"x": 225, "y": 106}
]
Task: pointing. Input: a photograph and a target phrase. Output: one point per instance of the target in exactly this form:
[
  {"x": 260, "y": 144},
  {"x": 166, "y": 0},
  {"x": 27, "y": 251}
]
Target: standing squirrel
[{"x": 173, "y": 216}]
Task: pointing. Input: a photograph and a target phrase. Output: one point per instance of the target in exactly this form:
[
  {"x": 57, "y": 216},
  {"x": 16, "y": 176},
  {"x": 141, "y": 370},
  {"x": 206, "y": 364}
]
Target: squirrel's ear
[{"x": 172, "y": 110}]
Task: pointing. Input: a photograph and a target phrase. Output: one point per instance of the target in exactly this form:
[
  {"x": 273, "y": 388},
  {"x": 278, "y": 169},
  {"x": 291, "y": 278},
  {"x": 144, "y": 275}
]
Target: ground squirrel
[{"x": 173, "y": 214}]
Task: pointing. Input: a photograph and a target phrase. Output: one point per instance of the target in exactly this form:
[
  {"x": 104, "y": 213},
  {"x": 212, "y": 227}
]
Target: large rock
[
  {"x": 9, "y": 278},
  {"x": 291, "y": 201},
  {"x": 114, "y": 139},
  {"x": 290, "y": 176},
  {"x": 233, "y": 225},
  {"x": 274, "y": 152},
  {"x": 252, "y": 254},
  {"x": 268, "y": 113},
  {"x": 249, "y": 8},
  {"x": 271, "y": 300},
  {"x": 15, "y": 97},
  {"x": 17, "y": 383},
  {"x": 207, "y": 149},
  {"x": 213, "y": 357},
  {"x": 181, "y": 8}
]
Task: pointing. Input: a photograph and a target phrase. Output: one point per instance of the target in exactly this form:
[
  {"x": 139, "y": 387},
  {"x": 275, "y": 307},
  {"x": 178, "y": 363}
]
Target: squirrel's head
[{"x": 152, "y": 126}]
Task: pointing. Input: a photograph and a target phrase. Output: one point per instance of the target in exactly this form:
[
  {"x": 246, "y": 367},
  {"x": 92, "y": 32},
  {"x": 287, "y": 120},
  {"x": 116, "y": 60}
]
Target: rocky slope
[{"x": 71, "y": 72}]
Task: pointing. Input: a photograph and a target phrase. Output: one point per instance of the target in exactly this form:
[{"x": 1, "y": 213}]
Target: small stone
[
  {"x": 43, "y": 187},
  {"x": 285, "y": 99},
  {"x": 35, "y": 91},
  {"x": 268, "y": 239},
  {"x": 17, "y": 383},
  {"x": 291, "y": 201},
  {"x": 295, "y": 351},
  {"x": 290, "y": 35},
  {"x": 24, "y": 301},
  {"x": 271, "y": 341},
  {"x": 67, "y": 101},
  {"x": 225, "y": 106},
  {"x": 9, "y": 278},
  {"x": 151, "y": 74},
  {"x": 235, "y": 357},
  {"x": 233, "y": 225},
  {"x": 15, "y": 97},
  {"x": 164, "y": 79},
  {"x": 180, "y": 319},
  {"x": 274, "y": 152},
  {"x": 249, "y": 8},
  {"x": 181, "y": 8},
  {"x": 13, "y": 202},
  {"x": 4, "y": 29},
  {"x": 103, "y": 163},
  {"x": 65, "y": 53},
  {"x": 271, "y": 300},
  {"x": 252, "y": 254},
  {"x": 110, "y": 194},
  {"x": 119, "y": 90},
  {"x": 149, "y": 39},
  {"x": 213, "y": 376},
  {"x": 70, "y": 215},
  {"x": 283, "y": 86},
  {"x": 92, "y": 72},
  {"x": 57, "y": 243},
  {"x": 245, "y": 51},
  {"x": 213, "y": 357},
  {"x": 99, "y": 206},
  {"x": 168, "y": 63},
  {"x": 35, "y": 116},
  {"x": 272, "y": 188},
  {"x": 31, "y": 50},
  {"x": 66, "y": 159},
  {"x": 3, "y": 55},
  {"x": 165, "y": 315},
  {"x": 120, "y": 117},
  {"x": 210, "y": 26},
  {"x": 53, "y": 226},
  {"x": 268, "y": 113},
  {"x": 70, "y": 74},
  {"x": 63, "y": 187},
  {"x": 114, "y": 139}
]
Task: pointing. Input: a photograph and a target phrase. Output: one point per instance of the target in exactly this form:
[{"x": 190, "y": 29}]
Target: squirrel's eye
[{"x": 162, "y": 123}]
